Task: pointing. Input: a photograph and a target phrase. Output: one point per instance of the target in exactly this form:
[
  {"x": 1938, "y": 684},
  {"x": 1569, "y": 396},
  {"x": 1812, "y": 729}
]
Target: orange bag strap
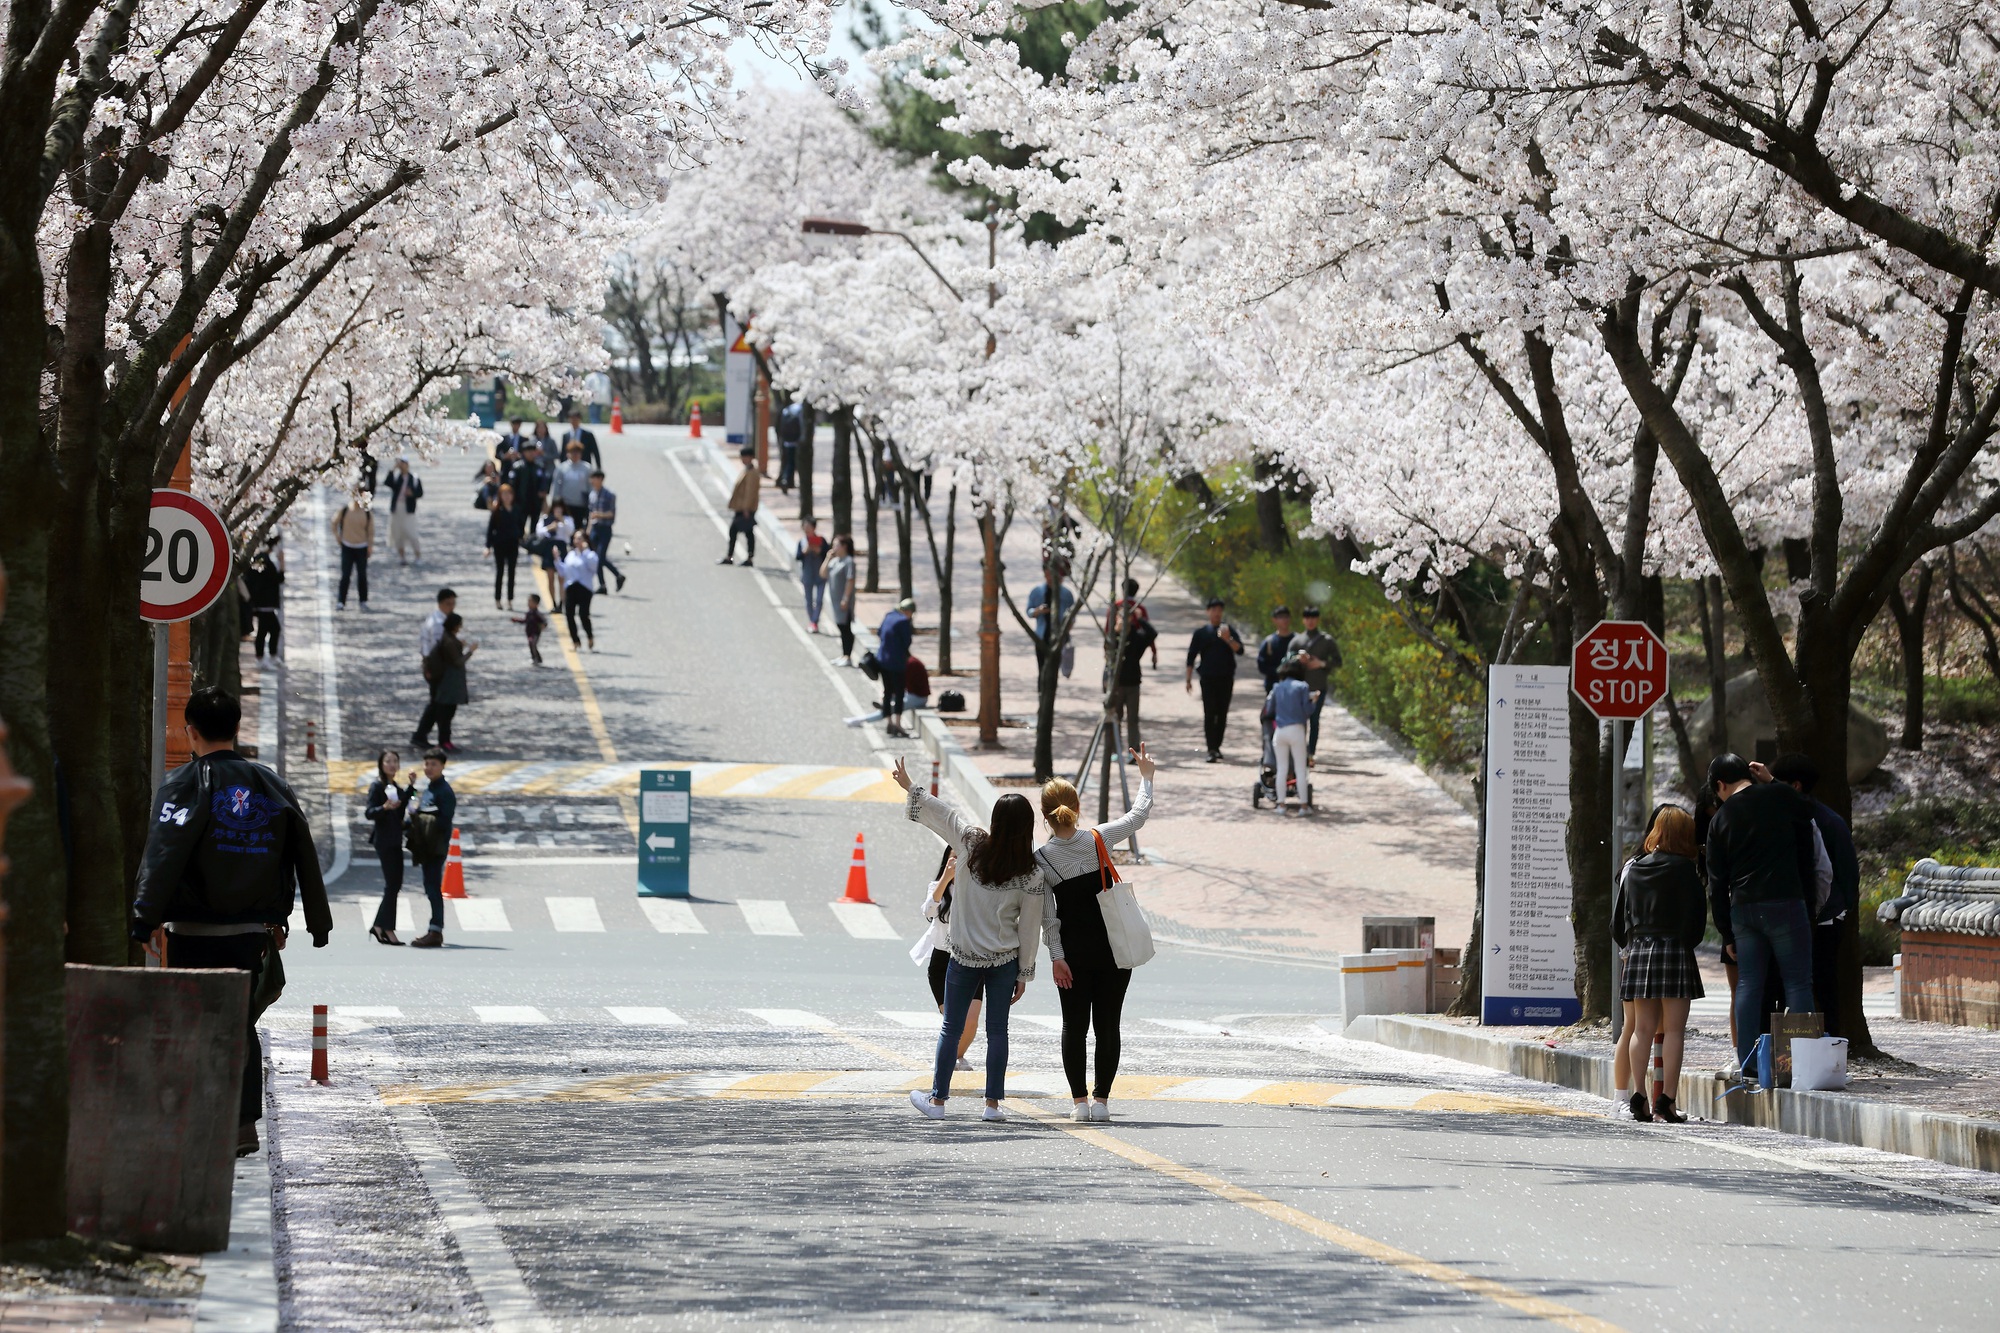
[{"x": 1107, "y": 874}]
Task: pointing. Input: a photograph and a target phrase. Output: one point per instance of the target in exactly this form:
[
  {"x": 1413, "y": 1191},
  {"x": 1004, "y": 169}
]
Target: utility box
[{"x": 155, "y": 1081}]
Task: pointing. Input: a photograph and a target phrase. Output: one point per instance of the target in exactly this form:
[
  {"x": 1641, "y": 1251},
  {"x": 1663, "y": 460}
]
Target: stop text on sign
[{"x": 1619, "y": 669}]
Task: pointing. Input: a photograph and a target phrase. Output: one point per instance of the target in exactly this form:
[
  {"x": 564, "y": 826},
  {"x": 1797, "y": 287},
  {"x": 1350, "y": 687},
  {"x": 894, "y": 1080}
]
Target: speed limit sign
[{"x": 187, "y": 559}]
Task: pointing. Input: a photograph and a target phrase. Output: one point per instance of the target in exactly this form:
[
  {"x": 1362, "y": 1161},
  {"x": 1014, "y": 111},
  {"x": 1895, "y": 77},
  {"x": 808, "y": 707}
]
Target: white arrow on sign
[{"x": 656, "y": 841}]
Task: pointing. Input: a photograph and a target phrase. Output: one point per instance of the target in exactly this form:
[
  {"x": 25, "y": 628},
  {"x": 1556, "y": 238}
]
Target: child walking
[{"x": 535, "y": 622}]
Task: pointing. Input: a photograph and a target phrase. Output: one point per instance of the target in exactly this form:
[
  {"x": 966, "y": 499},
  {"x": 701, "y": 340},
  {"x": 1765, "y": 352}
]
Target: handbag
[
  {"x": 951, "y": 701},
  {"x": 1124, "y": 924},
  {"x": 870, "y": 665},
  {"x": 427, "y": 839}
]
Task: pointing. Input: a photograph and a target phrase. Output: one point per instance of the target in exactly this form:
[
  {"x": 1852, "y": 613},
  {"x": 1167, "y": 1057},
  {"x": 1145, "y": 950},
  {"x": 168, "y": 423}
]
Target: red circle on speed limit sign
[{"x": 187, "y": 560}]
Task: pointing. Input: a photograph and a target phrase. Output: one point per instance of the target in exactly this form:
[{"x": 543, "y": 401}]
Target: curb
[
  {"x": 1835, "y": 1117},
  {"x": 956, "y": 766},
  {"x": 239, "y": 1289}
]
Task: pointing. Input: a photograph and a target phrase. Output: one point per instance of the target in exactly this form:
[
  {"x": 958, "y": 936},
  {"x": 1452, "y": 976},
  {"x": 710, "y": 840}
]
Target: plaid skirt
[{"x": 1660, "y": 969}]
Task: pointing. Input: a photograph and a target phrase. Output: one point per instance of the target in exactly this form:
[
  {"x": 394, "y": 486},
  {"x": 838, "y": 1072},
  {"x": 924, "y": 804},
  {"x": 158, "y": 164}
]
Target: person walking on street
[
  {"x": 546, "y": 443},
  {"x": 263, "y": 588},
  {"x": 572, "y": 484},
  {"x": 405, "y": 489},
  {"x": 488, "y": 491},
  {"x": 811, "y": 556},
  {"x": 550, "y": 543},
  {"x": 1798, "y": 772},
  {"x": 354, "y": 529},
  {"x": 444, "y": 669},
  {"x": 1129, "y": 641},
  {"x": 791, "y": 429},
  {"x": 602, "y": 511},
  {"x": 428, "y": 635},
  {"x": 579, "y": 576},
  {"x": 892, "y": 654},
  {"x": 387, "y": 806},
  {"x": 504, "y": 523},
  {"x": 513, "y": 440},
  {"x": 576, "y": 434},
  {"x": 1658, "y": 916},
  {"x": 743, "y": 510},
  {"x": 838, "y": 574},
  {"x": 1275, "y": 648},
  {"x": 1762, "y": 868},
  {"x": 431, "y": 825},
  {"x": 227, "y": 856},
  {"x": 1212, "y": 653},
  {"x": 534, "y": 622},
  {"x": 531, "y": 477},
  {"x": 1073, "y": 865},
  {"x": 1286, "y": 710},
  {"x": 1318, "y": 643},
  {"x": 937, "y": 936},
  {"x": 1001, "y": 912}
]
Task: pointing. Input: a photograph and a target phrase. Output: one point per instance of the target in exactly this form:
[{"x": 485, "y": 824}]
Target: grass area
[{"x": 1958, "y": 833}]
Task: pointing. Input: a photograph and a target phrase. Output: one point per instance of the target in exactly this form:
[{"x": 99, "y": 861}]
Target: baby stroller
[{"x": 1266, "y": 786}]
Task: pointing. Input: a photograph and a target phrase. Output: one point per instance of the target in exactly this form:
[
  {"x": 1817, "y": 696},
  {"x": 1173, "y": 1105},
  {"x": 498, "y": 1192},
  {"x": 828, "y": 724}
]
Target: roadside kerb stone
[{"x": 1836, "y": 1117}]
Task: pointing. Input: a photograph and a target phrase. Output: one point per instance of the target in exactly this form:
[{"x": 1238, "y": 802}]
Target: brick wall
[{"x": 1951, "y": 979}]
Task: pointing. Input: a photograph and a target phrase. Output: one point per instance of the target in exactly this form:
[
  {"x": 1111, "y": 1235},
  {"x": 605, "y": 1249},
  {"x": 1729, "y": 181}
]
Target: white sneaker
[
  {"x": 1100, "y": 1110},
  {"x": 1621, "y": 1107},
  {"x": 922, "y": 1101},
  {"x": 1082, "y": 1112},
  {"x": 992, "y": 1113},
  {"x": 963, "y": 1066}
]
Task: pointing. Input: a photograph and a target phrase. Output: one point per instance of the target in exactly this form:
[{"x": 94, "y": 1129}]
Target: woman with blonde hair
[
  {"x": 1094, "y": 995},
  {"x": 1658, "y": 917}
]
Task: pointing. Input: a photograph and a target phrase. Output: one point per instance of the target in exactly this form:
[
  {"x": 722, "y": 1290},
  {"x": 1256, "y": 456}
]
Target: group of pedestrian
[
  {"x": 1306, "y": 658},
  {"x": 559, "y": 512},
  {"x": 419, "y": 821},
  {"x": 1776, "y": 869},
  {"x": 998, "y": 900}
]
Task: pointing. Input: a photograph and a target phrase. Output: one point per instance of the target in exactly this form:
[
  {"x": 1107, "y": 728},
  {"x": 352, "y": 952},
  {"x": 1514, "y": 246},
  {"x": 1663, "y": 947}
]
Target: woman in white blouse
[{"x": 1000, "y": 912}]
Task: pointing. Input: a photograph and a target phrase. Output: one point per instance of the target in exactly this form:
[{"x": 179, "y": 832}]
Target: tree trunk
[
  {"x": 1715, "y": 648},
  {"x": 945, "y": 599},
  {"x": 802, "y": 461},
  {"x": 871, "y": 500},
  {"x": 1271, "y": 534},
  {"x": 843, "y": 473},
  {"x": 1910, "y": 617},
  {"x": 905, "y": 515},
  {"x": 1471, "y": 982},
  {"x": 216, "y": 638},
  {"x": 1048, "y": 679}
]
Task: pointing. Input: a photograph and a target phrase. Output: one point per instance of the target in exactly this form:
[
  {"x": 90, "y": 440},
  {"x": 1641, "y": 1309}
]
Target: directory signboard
[
  {"x": 1528, "y": 974},
  {"x": 665, "y": 821}
]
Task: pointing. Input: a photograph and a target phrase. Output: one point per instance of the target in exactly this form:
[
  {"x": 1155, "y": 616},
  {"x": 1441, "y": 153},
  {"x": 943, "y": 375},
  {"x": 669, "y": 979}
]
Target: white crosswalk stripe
[
  {"x": 767, "y": 917},
  {"x": 923, "y": 1020},
  {"x": 865, "y": 921},
  {"x": 509, "y": 1013},
  {"x": 1214, "y": 1089},
  {"x": 407, "y": 920},
  {"x": 366, "y": 1011},
  {"x": 641, "y": 1016},
  {"x": 480, "y": 914},
  {"x": 575, "y": 914},
  {"x": 671, "y": 918},
  {"x": 794, "y": 1018},
  {"x": 1053, "y": 1022},
  {"x": 1192, "y": 1027},
  {"x": 1381, "y": 1099}
]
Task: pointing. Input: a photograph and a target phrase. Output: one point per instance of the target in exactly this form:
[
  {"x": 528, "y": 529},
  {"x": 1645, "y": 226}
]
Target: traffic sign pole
[
  {"x": 161, "y": 635},
  {"x": 187, "y": 566},
  {"x": 1617, "y": 850}
]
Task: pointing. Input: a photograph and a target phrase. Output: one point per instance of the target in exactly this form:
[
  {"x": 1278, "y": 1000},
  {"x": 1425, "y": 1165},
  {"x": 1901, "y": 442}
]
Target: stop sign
[{"x": 1619, "y": 669}]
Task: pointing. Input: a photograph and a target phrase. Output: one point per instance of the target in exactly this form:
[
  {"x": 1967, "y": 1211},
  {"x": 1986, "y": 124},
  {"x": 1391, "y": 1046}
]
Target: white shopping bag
[
  {"x": 1124, "y": 924},
  {"x": 1819, "y": 1064}
]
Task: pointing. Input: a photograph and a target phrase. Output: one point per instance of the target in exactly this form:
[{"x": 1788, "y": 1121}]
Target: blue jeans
[
  {"x": 434, "y": 890},
  {"x": 961, "y": 985},
  {"x": 1779, "y": 932},
  {"x": 815, "y": 587}
]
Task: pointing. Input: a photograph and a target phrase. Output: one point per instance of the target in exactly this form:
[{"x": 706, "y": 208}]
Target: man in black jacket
[
  {"x": 227, "y": 851},
  {"x": 1762, "y": 874},
  {"x": 1213, "y": 652},
  {"x": 1317, "y": 643},
  {"x": 1800, "y": 773}
]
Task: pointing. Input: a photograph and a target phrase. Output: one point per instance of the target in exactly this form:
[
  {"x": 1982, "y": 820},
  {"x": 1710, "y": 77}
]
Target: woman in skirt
[{"x": 1658, "y": 918}]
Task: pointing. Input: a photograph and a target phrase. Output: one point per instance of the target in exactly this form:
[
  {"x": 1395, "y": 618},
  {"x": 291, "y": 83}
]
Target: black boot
[
  {"x": 1663, "y": 1109},
  {"x": 1640, "y": 1111}
]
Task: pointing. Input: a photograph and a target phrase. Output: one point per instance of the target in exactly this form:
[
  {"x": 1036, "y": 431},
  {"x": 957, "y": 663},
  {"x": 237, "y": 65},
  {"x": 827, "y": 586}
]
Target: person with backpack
[
  {"x": 1075, "y": 865},
  {"x": 1001, "y": 912},
  {"x": 228, "y": 853},
  {"x": 429, "y": 838}
]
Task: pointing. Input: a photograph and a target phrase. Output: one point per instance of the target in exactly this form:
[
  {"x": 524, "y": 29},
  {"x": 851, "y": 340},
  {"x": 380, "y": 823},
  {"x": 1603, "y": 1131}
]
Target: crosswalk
[
  {"x": 756, "y": 1019},
  {"x": 517, "y": 777},
  {"x": 572, "y": 914}
]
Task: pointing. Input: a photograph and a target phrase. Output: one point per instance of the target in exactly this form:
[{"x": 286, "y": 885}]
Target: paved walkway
[{"x": 1384, "y": 839}]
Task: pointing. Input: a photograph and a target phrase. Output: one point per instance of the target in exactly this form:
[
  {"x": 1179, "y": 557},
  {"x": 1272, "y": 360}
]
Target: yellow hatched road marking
[{"x": 501, "y": 777}]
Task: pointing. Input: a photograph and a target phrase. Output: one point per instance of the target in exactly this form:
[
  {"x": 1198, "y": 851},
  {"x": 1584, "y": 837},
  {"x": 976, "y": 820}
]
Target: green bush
[
  {"x": 1965, "y": 700},
  {"x": 1956, "y": 833}
]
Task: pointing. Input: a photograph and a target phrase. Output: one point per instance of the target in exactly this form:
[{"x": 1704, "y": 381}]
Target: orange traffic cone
[
  {"x": 617, "y": 416},
  {"x": 694, "y": 422},
  {"x": 454, "y": 870},
  {"x": 857, "y": 874}
]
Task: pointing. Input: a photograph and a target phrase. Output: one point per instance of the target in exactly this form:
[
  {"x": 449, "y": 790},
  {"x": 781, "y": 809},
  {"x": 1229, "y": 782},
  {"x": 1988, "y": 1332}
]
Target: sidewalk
[{"x": 1384, "y": 840}]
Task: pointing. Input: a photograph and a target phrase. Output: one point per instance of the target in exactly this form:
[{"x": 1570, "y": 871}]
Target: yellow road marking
[
  {"x": 1354, "y": 1242},
  {"x": 499, "y": 778},
  {"x": 591, "y": 711}
]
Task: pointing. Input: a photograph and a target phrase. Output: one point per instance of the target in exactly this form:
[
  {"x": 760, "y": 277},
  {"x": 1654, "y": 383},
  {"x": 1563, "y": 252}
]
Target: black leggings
[
  {"x": 847, "y": 649},
  {"x": 505, "y": 558},
  {"x": 1094, "y": 999},
  {"x": 576, "y": 602}
]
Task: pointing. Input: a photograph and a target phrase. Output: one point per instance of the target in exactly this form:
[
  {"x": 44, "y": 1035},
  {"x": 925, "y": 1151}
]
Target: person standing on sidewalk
[
  {"x": 1049, "y": 606},
  {"x": 743, "y": 510},
  {"x": 1318, "y": 643},
  {"x": 1001, "y": 912},
  {"x": 354, "y": 529},
  {"x": 1798, "y": 772},
  {"x": 578, "y": 572},
  {"x": 1122, "y": 701},
  {"x": 811, "y": 556},
  {"x": 405, "y": 489},
  {"x": 791, "y": 429},
  {"x": 385, "y": 811},
  {"x": 892, "y": 654},
  {"x": 444, "y": 669},
  {"x": 838, "y": 574},
  {"x": 603, "y": 512},
  {"x": 1658, "y": 916},
  {"x": 431, "y": 825},
  {"x": 1286, "y": 710},
  {"x": 263, "y": 586},
  {"x": 1073, "y": 867},
  {"x": 1212, "y": 653},
  {"x": 504, "y": 524},
  {"x": 223, "y": 855},
  {"x": 1762, "y": 867}
]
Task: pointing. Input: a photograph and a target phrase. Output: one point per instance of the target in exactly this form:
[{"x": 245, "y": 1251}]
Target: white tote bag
[{"x": 1124, "y": 924}]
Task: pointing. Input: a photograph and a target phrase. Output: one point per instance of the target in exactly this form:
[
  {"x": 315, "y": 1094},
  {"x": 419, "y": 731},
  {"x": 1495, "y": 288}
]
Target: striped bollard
[
  {"x": 1660, "y": 1065},
  {"x": 319, "y": 1044},
  {"x": 934, "y": 777}
]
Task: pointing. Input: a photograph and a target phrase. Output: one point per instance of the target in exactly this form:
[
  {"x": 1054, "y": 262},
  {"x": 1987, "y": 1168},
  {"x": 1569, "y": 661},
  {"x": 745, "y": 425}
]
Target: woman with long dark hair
[
  {"x": 1094, "y": 997},
  {"x": 1000, "y": 913},
  {"x": 1658, "y": 917},
  {"x": 504, "y": 524},
  {"x": 386, "y": 808}
]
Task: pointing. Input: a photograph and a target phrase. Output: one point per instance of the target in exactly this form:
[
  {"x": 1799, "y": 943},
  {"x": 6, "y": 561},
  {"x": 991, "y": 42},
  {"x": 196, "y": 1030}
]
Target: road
[{"x": 601, "y": 1118}]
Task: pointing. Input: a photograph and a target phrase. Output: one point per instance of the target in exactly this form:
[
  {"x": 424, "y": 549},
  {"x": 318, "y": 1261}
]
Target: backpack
[{"x": 951, "y": 701}]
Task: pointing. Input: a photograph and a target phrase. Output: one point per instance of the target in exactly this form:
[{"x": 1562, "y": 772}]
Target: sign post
[
  {"x": 665, "y": 821},
  {"x": 187, "y": 566},
  {"x": 1619, "y": 671}
]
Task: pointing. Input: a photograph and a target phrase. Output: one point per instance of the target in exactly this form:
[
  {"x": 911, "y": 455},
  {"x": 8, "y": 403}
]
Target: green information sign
[{"x": 665, "y": 797}]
